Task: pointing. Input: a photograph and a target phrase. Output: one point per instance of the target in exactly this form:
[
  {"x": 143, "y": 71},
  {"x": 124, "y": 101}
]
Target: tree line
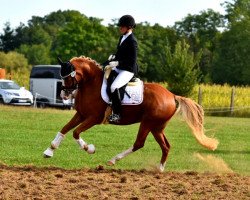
[{"x": 203, "y": 48}]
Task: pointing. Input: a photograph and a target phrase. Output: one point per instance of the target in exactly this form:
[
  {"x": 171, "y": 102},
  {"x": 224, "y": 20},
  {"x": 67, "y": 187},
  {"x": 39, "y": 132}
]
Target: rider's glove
[
  {"x": 113, "y": 64},
  {"x": 111, "y": 57}
]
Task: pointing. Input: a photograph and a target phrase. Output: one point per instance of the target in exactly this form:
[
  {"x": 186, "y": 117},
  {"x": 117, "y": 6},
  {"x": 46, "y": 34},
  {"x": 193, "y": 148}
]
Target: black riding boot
[{"x": 116, "y": 107}]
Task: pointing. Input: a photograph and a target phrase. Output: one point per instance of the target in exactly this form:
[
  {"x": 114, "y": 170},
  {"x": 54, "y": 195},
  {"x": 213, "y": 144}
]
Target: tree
[
  {"x": 13, "y": 61},
  {"x": 237, "y": 10},
  {"x": 36, "y": 53},
  {"x": 232, "y": 62},
  {"x": 7, "y": 39},
  {"x": 84, "y": 36},
  {"x": 16, "y": 65},
  {"x": 202, "y": 32},
  {"x": 182, "y": 68},
  {"x": 36, "y": 35},
  {"x": 152, "y": 41},
  {"x": 201, "y": 29}
]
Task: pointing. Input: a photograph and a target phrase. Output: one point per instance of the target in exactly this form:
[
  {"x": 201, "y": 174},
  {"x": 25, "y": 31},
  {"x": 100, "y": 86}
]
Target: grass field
[{"x": 26, "y": 132}]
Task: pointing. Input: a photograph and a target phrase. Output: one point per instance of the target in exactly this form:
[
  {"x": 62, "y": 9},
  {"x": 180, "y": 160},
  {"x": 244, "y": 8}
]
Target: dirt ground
[{"x": 53, "y": 183}]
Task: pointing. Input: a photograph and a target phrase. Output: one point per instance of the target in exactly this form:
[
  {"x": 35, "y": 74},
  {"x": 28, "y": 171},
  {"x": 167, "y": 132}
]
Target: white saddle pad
[{"x": 135, "y": 93}]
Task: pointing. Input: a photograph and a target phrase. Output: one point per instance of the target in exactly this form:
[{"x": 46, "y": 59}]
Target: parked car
[{"x": 12, "y": 93}]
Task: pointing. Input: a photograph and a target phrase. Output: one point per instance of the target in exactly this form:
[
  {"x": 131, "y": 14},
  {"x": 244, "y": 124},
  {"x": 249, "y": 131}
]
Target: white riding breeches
[{"x": 122, "y": 79}]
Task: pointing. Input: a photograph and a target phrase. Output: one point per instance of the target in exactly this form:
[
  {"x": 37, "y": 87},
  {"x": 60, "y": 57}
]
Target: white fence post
[{"x": 35, "y": 106}]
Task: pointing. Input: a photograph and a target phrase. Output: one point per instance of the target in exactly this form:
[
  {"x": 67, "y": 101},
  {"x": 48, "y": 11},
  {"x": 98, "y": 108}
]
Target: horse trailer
[{"x": 45, "y": 85}]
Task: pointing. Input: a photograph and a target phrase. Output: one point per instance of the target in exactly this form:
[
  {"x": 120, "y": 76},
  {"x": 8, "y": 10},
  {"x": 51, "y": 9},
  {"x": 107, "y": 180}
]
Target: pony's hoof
[
  {"x": 91, "y": 149},
  {"x": 161, "y": 168},
  {"x": 48, "y": 153},
  {"x": 110, "y": 163}
]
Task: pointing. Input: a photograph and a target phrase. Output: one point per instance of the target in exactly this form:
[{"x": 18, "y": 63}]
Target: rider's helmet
[{"x": 127, "y": 21}]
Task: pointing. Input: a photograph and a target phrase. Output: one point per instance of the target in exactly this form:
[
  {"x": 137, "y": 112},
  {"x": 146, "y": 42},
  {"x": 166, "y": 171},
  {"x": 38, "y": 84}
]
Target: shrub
[{"x": 181, "y": 69}]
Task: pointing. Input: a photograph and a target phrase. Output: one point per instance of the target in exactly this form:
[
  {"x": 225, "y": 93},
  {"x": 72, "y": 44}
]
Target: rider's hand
[
  {"x": 111, "y": 57},
  {"x": 113, "y": 63},
  {"x": 107, "y": 67}
]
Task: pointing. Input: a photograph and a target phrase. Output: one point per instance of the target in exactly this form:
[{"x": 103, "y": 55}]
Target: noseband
[{"x": 72, "y": 87}]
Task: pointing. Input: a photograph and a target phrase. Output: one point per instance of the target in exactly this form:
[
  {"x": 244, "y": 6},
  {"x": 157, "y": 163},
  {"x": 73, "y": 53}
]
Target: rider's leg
[
  {"x": 122, "y": 79},
  {"x": 116, "y": 106}
]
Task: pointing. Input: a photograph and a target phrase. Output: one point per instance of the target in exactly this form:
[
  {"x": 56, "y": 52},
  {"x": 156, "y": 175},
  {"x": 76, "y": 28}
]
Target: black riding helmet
[{"x": 127, "y": 21}]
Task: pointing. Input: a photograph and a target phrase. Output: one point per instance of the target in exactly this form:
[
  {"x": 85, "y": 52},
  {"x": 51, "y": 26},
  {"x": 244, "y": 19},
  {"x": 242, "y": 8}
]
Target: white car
[{"x": 12, "y": 93}]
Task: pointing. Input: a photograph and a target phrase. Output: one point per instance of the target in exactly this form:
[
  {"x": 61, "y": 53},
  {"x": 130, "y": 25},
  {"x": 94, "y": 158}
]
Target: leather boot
[{"x": 116, "y": 107}]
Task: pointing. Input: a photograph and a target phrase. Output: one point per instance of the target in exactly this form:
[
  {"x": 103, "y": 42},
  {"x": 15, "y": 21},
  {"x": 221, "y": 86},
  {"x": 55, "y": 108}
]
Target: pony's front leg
[
  {"x": 76, "y": 120},
  {"x": 86, "y": 124},
  {"x": 90, "y": 148}
]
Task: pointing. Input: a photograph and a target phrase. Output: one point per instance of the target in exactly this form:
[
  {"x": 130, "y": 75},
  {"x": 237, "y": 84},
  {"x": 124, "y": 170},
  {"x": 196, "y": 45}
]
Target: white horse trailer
[{"x": 45, "y": 85}]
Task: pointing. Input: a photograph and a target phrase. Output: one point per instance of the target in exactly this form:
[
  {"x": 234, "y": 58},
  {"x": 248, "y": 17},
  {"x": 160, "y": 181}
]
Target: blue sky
[{"x": 164, "y": 12}]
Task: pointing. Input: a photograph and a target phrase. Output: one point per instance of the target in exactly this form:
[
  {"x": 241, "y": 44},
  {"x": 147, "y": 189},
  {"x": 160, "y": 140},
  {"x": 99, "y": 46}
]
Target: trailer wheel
[{"x": 42, "y": 103}]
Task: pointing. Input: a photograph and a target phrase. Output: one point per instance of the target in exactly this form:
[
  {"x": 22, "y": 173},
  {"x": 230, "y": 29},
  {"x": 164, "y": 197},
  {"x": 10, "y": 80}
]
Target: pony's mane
[{"x": 88, "y": 59}]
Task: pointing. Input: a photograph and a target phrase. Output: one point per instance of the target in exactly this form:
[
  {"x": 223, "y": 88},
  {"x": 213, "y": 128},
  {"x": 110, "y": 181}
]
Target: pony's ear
[{"x": 59, "y": 60}]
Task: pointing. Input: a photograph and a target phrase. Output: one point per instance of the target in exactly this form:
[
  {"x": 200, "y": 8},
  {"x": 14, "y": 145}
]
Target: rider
[{"x": 124, "y": 63}]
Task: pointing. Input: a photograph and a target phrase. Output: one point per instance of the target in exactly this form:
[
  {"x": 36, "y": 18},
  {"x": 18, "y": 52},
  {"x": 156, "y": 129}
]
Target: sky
[{"x": 163, "y": 12}]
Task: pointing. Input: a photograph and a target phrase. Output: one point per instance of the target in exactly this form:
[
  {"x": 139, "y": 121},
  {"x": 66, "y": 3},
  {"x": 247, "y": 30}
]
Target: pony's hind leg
[
  {"x": 165, "y": 147},
  {"x": 120, "y": 156},
  {"x": 139, "y": 143},
  {"x": 76, "y": 120}
]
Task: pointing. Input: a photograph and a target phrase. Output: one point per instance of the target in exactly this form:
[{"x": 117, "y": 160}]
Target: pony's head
[
  {"x": 68, "y": 75},
  {"x": 67, "y": 69},
  {"x": 75, "y": 71}
]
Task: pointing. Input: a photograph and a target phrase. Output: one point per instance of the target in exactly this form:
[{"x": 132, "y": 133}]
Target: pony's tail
[{"x": 193, "y": 114}]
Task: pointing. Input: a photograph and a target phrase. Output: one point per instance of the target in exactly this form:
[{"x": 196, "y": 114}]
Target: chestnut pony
[{"x": 157, "y": 108}]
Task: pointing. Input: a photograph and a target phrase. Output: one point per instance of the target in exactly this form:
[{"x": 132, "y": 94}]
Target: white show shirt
[{"x": 125, "y": 36}]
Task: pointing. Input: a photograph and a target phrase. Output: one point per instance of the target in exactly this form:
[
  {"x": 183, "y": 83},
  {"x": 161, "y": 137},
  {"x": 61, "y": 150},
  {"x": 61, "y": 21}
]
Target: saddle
[
  {"x": 131, "y": 93},
  {"x": 110, "y": 75}
]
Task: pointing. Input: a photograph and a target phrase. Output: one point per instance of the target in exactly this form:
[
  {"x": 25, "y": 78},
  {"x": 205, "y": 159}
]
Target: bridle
[
  {"x": 72, "y": 87},
  {"x": 72, "y": 75}
]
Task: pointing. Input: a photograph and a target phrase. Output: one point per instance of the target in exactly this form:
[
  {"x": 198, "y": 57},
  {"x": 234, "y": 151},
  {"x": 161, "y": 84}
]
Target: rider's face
[{"x": 123, "y": 29}]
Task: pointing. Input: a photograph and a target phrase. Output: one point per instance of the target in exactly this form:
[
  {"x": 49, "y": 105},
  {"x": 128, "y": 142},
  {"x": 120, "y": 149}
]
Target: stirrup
[{"x": 115, "y": 118}]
